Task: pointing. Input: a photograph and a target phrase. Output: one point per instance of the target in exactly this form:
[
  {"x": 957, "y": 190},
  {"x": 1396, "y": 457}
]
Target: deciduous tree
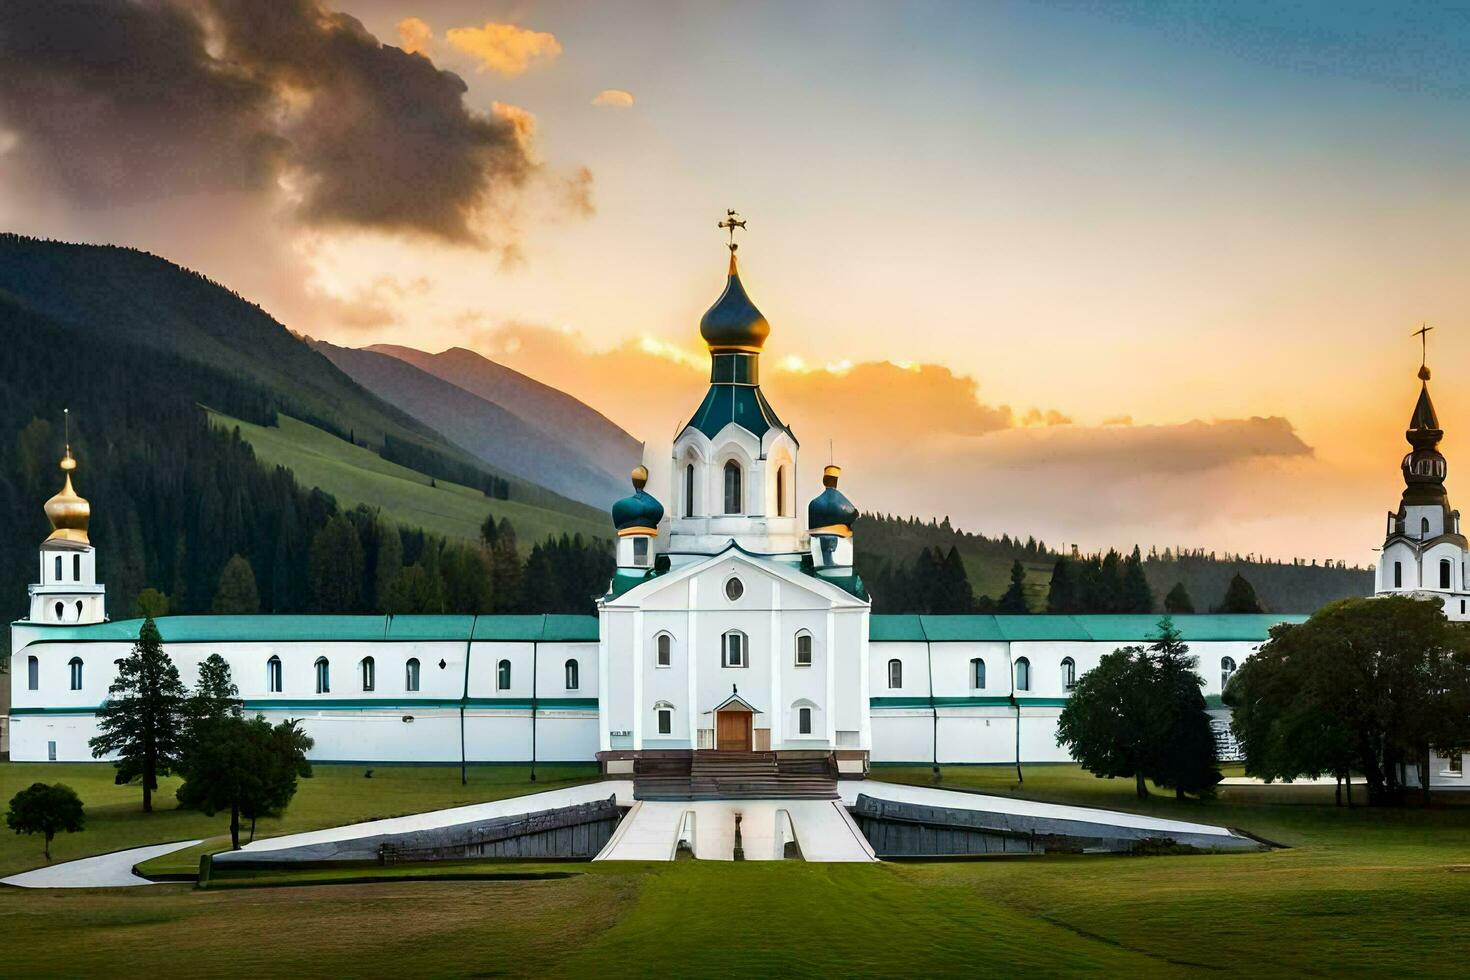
[{"x": 46, "y": 810}]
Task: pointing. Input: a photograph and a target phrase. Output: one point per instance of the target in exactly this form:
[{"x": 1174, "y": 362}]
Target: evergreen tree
[
  {"x": 1014, "y": 600},
  {"x": 1137, "y": 597},
  {"x": 1186, "y": 758},
  {"x": 215, "y": 695},
  {"x": 336, "y": 567},
  {"x": 416, "y": 590},
  {"x": 151, "y": 603},
  {"x": 142, "y": 720},
  {"x": 1239, "y": 597},
  {"x": 236, "y": 594},
  {"x": 1178, "y": 600},
  {"x": 953, "y": 594},
  {"x": 541, "y": 588},
  {"x": 45, "y": 810},
  {"x": 468, "y": 579},
  {"x": 489, "y": 533},
  {"x": 1061, "y": 596},
  {"x": 389, "y": 564},
  {"x": 505, "y": 562}
]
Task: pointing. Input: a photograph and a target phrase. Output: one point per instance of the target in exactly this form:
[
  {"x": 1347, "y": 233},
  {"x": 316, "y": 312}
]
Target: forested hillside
[{"x": 911, "y": 565}]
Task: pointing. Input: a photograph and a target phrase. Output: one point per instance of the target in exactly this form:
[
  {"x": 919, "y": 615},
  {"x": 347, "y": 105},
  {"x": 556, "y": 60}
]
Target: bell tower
[{"x": 67, "y": 590}]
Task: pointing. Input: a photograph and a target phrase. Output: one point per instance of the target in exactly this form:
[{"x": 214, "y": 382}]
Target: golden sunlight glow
[
  {"x": 505, "y": 49},
  {"x": 414, "y": 35}
]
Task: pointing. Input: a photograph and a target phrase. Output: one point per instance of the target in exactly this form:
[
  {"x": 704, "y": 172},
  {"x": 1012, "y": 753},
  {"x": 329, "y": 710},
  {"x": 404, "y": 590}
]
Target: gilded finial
[
  {"x": 639, "y": 476},
  {"x": 67, "y": 462}
]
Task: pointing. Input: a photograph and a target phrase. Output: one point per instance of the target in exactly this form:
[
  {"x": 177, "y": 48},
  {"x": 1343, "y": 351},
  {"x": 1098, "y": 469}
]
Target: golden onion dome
[{"x": 68, "y": 511}]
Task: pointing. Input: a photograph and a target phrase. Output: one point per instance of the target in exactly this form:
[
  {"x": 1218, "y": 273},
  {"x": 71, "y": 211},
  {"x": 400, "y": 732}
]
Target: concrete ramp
[
  {"x": 826, "y": 832},
  {"x": 649, "y": 831}
]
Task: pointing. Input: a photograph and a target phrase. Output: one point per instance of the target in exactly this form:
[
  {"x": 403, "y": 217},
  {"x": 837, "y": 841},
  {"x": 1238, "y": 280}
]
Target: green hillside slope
[{"x": 354, "y": 475}]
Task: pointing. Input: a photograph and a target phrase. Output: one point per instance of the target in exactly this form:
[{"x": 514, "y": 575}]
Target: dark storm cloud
[{"x": 137, "y": 99}]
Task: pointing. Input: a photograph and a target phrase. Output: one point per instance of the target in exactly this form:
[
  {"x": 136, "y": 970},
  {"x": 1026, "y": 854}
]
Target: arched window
[
  {"x": 58, "y": 569},
  {"x": 1227, "y": 667},
  {"x": 1398, "y": 575},
  {"x": 60, "y": 609},
  {"x": 411, "y": 674},
  {"x": 895, "y": 674},
  {"x": 663, "y": 646},
  {"x": 977, "y": 674},
  {"x": 734, "y": 645},
  {"x": 1069, "y": 673},
  {"x": 1423, "y": 527},
  {"x": 33, "y": 674},
  {"x": 571, "y": 667},
  {"x": 780, "y": 491},
  {"x": 803, "y": 649},
  {"x": 663, "y": 712},
  {"x": 502, "y": 676},
  {"x": 689, "y": 490},
  {"x": 803, "y": 720},
  {"x": 733, "y": 495},
  {"x": 273, "y": 675},
  {"x": 369, "y": 673},
  {"x": 76, "y": 568},
  {"x": 323, "y": 676},
  {"x": 1023, "y": 674},
  {"x": 1444, "y": 573},
  {"x": 79, "y": 610},
  {"x": 76, "y": 673}
]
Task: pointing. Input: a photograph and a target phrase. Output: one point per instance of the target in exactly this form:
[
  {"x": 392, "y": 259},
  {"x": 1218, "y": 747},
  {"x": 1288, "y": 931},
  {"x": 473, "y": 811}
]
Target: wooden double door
[{"x": 733, "y": 731}]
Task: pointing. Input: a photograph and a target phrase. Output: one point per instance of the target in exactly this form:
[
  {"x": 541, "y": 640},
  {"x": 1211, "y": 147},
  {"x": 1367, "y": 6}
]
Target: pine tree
[
  {"x": 505, "y": 563},
  {"x": 215, "y": 695},
  {"x": 1240, "y": 597},
  {"x": 1178, "y": 600},
  {"x": 142, "y": 720},
  {"x": 1061, "y": 596},
  {"x": 1185, "y": 758},
  {"x": 336, "y": 567},
  {"x": 953, "y": 595},
  {"x": 1014, "y": 600},
  {"x": 388, "y": 565},
  {"x": 236, "y": 594},
  {"x": 1137, "y": 597},
  {"x": 541, "y": 588}
]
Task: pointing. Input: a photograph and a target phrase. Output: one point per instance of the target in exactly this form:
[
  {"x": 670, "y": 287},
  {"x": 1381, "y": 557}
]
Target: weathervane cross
[
  {"x": 731, "y": 222},
  {"x": 1423, "y": 334}
]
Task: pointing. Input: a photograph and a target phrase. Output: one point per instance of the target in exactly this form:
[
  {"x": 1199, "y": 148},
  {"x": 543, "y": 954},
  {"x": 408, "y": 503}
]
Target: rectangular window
[
  {"x": 1444, "y": 574},
  {"x": 33, "y": 674},
  {"x": 804, "y": 650},
  {"x": 804, "y": 721},
  {"x": 1398, "y": 575},
  {"x": 76, "y": 568},
  {"x": 734, "y": 649},
  {"x": 640, "y": 550},
  {"x": 665, "y": 721},
  {"x": 50, "y": 751},
  {"x": 58, "y": 568},
  {"x": 1457, "y": 764}
]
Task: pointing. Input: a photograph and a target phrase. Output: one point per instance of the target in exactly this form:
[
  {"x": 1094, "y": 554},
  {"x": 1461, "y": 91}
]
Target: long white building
[{"x": 731, "y": 623}]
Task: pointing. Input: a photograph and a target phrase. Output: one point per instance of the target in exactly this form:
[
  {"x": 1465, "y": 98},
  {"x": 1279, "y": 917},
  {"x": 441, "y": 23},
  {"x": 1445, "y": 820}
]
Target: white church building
[{"x": 731, "y": 623}]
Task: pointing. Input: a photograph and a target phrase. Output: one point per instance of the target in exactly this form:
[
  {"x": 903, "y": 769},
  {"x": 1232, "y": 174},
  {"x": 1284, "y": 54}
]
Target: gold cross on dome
[{"x": 731, "y": 222}]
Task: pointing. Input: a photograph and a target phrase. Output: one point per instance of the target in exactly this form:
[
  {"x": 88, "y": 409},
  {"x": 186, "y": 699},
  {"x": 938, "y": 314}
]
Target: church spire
[{"x": 1424, "y": 467}]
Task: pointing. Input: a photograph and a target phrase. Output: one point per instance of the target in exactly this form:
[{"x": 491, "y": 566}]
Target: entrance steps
[
  {"x": 821, "y": 829},
  {"x": 717, "y": 775}
]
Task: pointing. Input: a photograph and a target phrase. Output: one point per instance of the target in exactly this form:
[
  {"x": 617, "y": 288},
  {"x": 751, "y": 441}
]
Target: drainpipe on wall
[
  {"x": 933, "y": 710},
  {"x": 535, "y": 648},
  {"x": 1017, "y": 703},
  {"x": 464, "y": 697}
]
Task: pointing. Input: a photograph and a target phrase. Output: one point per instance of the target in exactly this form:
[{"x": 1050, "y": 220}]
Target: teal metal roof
[
  {"x": 742, "y": 404},
  {"x": 1245, "y": 627},
  {"x": 325, "y": 628}
]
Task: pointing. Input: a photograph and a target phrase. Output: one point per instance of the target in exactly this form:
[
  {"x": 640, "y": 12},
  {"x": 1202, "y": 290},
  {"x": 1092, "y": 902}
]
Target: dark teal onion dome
[
  {"x": 733, "y": 323},
  {"x": 830, "y": 512},
  {"x": 638, "y": 513}
]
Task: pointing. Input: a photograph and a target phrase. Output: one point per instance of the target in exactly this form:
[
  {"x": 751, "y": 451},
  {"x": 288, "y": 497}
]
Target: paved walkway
[{"x": 113, "y": 870}]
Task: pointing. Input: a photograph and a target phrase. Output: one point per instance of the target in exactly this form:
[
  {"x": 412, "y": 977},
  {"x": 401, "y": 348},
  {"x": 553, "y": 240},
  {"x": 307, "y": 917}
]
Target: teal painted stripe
[{"x": 937, "y": 702}]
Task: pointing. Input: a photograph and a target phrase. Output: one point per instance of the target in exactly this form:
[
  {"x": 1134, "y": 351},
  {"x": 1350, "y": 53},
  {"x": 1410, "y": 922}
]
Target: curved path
[{"x": 113, "y": 870}]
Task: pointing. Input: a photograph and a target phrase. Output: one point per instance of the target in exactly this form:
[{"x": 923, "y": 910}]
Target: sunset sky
[{"x": 1099, "y": 273}]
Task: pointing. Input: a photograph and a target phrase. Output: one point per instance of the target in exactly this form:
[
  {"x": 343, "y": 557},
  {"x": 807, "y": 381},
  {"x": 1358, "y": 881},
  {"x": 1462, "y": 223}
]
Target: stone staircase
[{"x": 715, "y": 775}]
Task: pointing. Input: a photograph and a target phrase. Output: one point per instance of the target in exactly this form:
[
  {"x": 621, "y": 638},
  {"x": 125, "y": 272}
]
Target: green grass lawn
[
  {"x": 335, "y": 795},
  {"x": 1362, "y": 891},
  {"x": 354, "y": 475}
]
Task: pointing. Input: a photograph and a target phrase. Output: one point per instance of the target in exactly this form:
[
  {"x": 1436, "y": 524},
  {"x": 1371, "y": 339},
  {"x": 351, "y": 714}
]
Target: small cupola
[
  {"x": 830, "y": 517},
  {"x": 636, "y": 518}
]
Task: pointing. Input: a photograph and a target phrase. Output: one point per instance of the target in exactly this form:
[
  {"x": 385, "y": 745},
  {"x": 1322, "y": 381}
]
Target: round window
[{"x": 734, "y": 589}]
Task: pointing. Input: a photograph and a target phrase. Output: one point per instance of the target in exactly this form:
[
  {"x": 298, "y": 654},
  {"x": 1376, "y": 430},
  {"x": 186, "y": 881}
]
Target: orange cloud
[
  {"x": 504, "y": 48},
  {"x": 614, "y": 97},
  {"x": 415, "y": 36}
]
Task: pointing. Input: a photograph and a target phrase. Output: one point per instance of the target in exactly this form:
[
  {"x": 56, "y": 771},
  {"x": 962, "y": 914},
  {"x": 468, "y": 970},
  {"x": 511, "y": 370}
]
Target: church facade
[{"x": 734, "y": 621}]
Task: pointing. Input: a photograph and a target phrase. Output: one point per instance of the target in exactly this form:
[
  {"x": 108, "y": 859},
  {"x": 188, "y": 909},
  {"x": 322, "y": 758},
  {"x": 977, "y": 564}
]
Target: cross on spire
[
  {"x": 731, "y": 222},
  {"x": 1423, "y": 334}
]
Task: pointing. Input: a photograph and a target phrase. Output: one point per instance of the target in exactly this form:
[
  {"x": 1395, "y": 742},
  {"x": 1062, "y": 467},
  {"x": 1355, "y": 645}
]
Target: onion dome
[
  {"x": 68, "y": 512},
  {"x": 733, "y": 323},
  {"x": 1424, "y": 467},
  {"x": 639, "y": 512},
  {"x": 830, "y": 512}
]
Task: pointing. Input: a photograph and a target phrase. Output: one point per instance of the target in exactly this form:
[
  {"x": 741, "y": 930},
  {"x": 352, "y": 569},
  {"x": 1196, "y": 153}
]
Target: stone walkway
[{"x": 113, "y": 870}]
